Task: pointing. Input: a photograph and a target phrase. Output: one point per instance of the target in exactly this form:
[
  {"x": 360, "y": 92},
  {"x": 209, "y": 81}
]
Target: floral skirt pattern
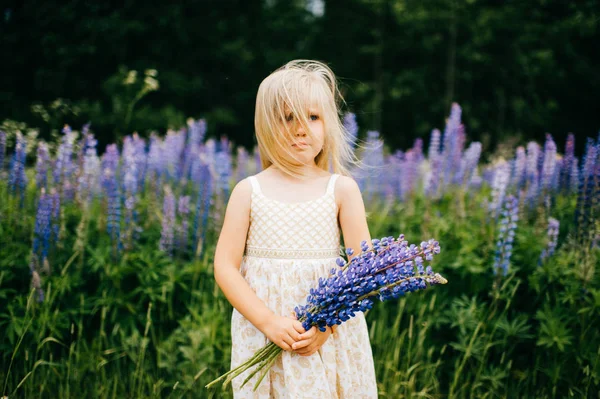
[{"x": 342, "y": 368}]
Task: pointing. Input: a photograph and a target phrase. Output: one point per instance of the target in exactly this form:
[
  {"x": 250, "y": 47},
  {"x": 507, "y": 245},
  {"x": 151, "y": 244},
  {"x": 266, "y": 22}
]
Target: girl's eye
[
  {"x": 289, "y": 118},
  {"x": 314, "y": 117}
]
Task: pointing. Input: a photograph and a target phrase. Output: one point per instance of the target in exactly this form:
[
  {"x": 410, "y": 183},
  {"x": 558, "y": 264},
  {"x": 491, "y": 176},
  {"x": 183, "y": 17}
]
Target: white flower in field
[
  {"x": 150, "y": 84},
  {"x": 151, "y": 72},
  {"x": 131, "y": 78}
]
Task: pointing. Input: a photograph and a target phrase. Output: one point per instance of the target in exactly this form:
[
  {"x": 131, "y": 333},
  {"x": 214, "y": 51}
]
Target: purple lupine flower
[
  {"x": 167, "y": 238},
  {"x": 64, "y": 167},
  {"x": 565, "y": 183},
  {"x": 223, "y": 168},
  {"x": 257, "y": 161},
  {"x": 195, "y": 136},
  {"x": 43, "y": 226},
  {"x": 531, "y": 166},
  {"x": 197, "y": 131},
  {"x": 241, "y": 167},
  {"x": 351, "y": 127},
  {"x": 453, "y": 142},
  {"x": 432, "y": 177},
  {"x": 395, "y": 176},
  {"x": 587, "y": 192},
  {"x": 417, "y": 149},
  {"x": 549, "y": 163},
  {"x": 434, "y": 144},
  {"x": 56, "y": 222},
  {"x": 183, "y": 209},
  {"x": 18, "y": 180},
  {"x": 370, "y": 178},
  {"x": 410, "y": 171},
  {"x": 110, "y": 184},
  {"x": 132, "y": 162},
  {"x": 384, "y": 272},
  {"x": 174, "y": 144},
  {"x": 558, "y": 169},
  {"x": 141, "y": 160},
  {"x": 224, "y": 145},
  {"x": 2, "y": 151},
  {"x": 499, "y": 186},
  {"x": 41, "y": 165},
  {"x": 89, "y": 179},
  {"x": 203, "y": 202},
  {"x": 553, "y": 226},
  {"x": 574, "y": 184},
  {"x": 518, "y": 179},
  {"x": 468, "y": 163},
  {"x": 506, "y": 236},
  {"x": 209, "y": 151}
]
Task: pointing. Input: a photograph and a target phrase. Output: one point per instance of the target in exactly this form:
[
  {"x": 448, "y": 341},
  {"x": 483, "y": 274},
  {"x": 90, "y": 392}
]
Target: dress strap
[
  {"x": 255, "y": 185},
  {"x": 331, "y": 184}
]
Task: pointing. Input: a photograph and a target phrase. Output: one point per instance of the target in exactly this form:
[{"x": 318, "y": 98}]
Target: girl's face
[{"x": 306, "y": 147}]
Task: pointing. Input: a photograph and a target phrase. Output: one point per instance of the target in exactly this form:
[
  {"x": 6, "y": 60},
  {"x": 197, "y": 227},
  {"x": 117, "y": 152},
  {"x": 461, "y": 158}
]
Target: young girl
[{"x": 282, "y": 232}]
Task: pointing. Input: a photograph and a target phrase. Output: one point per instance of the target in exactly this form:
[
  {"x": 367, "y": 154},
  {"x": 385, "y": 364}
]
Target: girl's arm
[
  {"x": 283, "y": 331},
  {"x": 352, "y": 215}
]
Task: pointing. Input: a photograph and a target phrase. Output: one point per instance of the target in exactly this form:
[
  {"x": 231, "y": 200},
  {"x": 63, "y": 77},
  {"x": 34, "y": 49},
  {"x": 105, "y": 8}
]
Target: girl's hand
[
  {"x": 283, "y": 331},
  {"x": 311, "y": 341}
]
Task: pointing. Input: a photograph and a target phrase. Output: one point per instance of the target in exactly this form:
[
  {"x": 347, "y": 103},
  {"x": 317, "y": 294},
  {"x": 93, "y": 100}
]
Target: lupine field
[{"x": 106, "y": 274}]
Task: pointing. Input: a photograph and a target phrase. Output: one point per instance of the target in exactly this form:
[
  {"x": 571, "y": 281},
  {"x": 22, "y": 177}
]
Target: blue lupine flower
[
  {"x": 18, "y": 180},
  {"x": 183, "y": 209},
  {"x": 533, "y": 156},
  {"x": 43, "y": 226},
  {"x": 369, "y": 178},
  {"x": 432, "y": 178},
  {"x": 89, "y": 179},
  {"x": 507, "y": 227},
  {"x": 223, "y": 171},
  {"x": 549, "y": 163},
  {"x": 41, "y": 165},
  {"x": 64, "y": 167},
  {"x": 257, "y": 160},
  {"x": 174, "y": 145},
  {"x": 110, "y": 184},
  {"x": 2, "y": 151},
  {"x": 385, "y": 271},
  {"x": 499, "y": 186},
  {"x": 351, "y": 127},
  {"x": 453, "y": 142},
  {"x": 167, "y": 238},
  {"x": 553, "y": 226},
  {"x": 519, "y": 168},
  {"x": 241, "y": 167},
  {"x": 468, "y": 164},
  {"x": 55, "y": 199},
  {"x": 587, "y": 192},
  {"x": 565, "y": 182}
]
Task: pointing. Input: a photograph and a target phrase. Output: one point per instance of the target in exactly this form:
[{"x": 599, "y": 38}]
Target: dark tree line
[{"x": 518, "y": 68}]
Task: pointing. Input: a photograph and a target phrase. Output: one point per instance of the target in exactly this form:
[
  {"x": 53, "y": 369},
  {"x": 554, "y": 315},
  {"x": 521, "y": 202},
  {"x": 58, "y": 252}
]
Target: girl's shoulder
[
  {"x": 241, "y": 194},
  {"x": 345, "y": 189}
]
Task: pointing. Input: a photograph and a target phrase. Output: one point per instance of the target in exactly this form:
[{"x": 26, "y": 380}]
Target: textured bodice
[{"x": 307, "y": 229}]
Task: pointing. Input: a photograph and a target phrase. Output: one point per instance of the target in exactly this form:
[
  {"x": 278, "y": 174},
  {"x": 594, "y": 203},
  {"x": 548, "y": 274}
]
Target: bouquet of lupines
[{"x": 384, "y": 271}]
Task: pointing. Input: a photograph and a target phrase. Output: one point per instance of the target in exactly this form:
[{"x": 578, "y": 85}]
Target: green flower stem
[
  {"x": 256, "y": 358},
  {"x": 265, "y": 355},
  {"x": 267, "y": 368}
]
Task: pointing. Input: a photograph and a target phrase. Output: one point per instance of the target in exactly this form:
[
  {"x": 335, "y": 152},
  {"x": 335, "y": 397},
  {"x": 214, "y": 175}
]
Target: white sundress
[{"x": 289, "y": 246}]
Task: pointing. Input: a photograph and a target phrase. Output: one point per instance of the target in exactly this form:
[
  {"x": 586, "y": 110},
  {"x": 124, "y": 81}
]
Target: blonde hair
[{"x": 296, "y": 87}]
